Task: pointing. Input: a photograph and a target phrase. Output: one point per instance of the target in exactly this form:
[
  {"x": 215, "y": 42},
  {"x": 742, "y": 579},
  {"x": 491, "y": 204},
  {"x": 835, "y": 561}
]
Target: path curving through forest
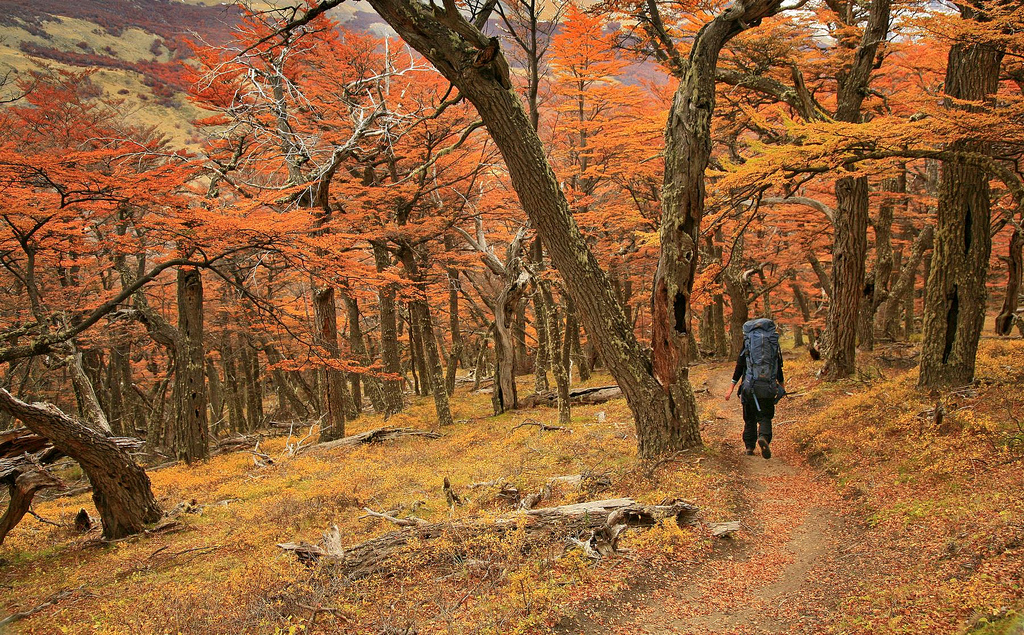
[{"x": 786, "y": 571}]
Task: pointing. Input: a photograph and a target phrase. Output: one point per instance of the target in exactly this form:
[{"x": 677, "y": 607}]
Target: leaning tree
[{"x": 657, "y": 389}]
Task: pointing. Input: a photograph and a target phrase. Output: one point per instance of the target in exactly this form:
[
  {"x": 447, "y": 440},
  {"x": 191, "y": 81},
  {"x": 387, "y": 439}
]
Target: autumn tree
[{"x": 663, "y": 408}]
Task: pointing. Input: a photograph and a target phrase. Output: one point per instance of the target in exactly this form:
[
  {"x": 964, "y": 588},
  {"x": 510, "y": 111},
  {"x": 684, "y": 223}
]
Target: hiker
[{"x": 761, "y": 383}]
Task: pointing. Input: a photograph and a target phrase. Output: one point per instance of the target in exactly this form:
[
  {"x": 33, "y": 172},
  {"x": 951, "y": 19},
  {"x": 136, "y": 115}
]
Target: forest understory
[{"x": 872, "y": 516}]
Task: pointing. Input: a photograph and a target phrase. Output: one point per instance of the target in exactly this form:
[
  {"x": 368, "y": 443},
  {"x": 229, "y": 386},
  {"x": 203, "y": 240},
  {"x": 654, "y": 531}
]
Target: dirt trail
[{"x": 785, "y": 572}]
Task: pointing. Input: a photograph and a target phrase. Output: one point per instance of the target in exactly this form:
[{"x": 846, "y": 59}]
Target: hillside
[
  {"x": 137, "y": 49},
  {"x": 889, "y": 525}
]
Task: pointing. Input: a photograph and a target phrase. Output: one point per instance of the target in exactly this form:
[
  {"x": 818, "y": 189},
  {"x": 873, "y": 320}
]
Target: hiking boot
[
  {"x": 766, "y": 452},
  {"x": 750, "y": 451}
]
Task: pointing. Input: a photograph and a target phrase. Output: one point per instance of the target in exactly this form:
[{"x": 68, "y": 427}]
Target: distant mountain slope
[{"x": 136, "y": 45}]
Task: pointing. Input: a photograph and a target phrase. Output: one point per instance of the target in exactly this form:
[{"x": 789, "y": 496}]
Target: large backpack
[{"x": 761, "y": 346}]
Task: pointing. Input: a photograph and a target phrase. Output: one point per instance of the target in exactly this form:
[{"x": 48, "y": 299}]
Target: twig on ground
[
  {"x": 543, "y": 426},
  {"x": 261, "y": 459},
  {"x": 50, "y": 601},
  {"x": 412, "y": 521},
  {"x": 44, "y": 520},
  {"x": 317, "y": 610},
  {"x": 675, "y": 456}
]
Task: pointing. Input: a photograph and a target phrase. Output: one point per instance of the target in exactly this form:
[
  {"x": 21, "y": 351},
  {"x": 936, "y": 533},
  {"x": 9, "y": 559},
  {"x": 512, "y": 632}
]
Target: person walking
[{"x": 761, "y": 383}]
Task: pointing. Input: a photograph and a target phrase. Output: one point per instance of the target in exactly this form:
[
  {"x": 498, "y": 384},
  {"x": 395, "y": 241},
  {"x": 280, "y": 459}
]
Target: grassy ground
[
  {"x": 222, "y": 573},
  {"x": 941, "y": 498},
  {"x": 924, "y": 534}
]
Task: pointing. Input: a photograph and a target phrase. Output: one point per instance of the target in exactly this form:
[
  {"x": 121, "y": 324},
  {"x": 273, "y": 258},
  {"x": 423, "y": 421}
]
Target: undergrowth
[
  {"x": 940, "y": 495},
  {"x": 222, "y": 572}
]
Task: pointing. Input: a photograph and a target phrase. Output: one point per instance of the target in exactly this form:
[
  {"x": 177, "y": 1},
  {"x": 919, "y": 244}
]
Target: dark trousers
[{"x": 757, "y": 423}]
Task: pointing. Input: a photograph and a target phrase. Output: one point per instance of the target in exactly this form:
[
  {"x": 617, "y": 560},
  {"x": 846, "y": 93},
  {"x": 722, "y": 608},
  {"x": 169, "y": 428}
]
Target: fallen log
[
  {"x": 24, "y": 455},
  {"x": 411, "y": 521},
  {"x": 595, "y": 526},
  {"x": 543, "y": 427},
  {"x": 375, "y": 436},
  {"x": 579, "y": 397},
  {"x": 510, "y": 493},
  {"x": 24, "y": 477}
]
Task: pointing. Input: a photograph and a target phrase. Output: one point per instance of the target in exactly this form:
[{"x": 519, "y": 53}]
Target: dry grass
[
  {"x": 942, "y": 503},
  {"x": 235, "y": 580},
  {"x": 940, "y": 509},
  {"x": 138, "y": 104}
]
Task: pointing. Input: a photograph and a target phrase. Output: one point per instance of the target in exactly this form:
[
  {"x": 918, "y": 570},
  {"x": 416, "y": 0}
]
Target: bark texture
[
  {"x": 1005, "y": 319},
  {"x": 849, "y": 249},
  {"x": 121, "y": 489},
  {"x": 332, "y": 380},
  {"x": 954, "y": 310},
  {"x": 391, "y": 388},
  {"x": 516, "y": 283},
  {"x": 191, "y": 439}
]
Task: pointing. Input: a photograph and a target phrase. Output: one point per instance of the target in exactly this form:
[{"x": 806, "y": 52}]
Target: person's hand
[{"x": 729, "y": 394}]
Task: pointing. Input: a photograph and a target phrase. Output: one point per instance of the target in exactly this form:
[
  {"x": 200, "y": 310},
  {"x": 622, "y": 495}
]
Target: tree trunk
[
  {"x": 332, "y": 380},
  {"x": 516, "y": 281},
  {"x": 357, "y": 344},
  {"x": 519, "y": 331},
  {"x": 419, "y": 346},
  {"x": 191, "y": 436},
  {"x": 819, "y": 271},
  {"x": 902, "y": 292},
  {"x": 421, "y": 321},
  {"x": 582, "y": 360},
  {"x": 540, "y": 306},
  {"x": 555, "y": 352},
  {"x": 1005, "y": 319},
  {"x": 249, "y": 359},
  {"x": 454, "y": 326},
  {"x": 22, "y": 487},
  {"x": 718, "y": 309},
  {"x": 89, "y": 403},
  {"x": 432, "y": 360},
  {"x": 803, "y": 304},
  {"x": 481, "y": 362},
  {"x": 664, "y": 409},
  {"x": 848, "y": 253},
  {"x": 849, "y": 248},
  {"x": 216, "y": 396},
  {"x": 229, "y": 361},
  {"x": 415, "y": 356},
  {"x": 954, "y": 310},
  {"x": 738, "y": 288},
  {"x": 389, "y": 353},
  {"x": 120, "y": 419},
  {"x": 876, "y": 287},
  {"x": 121, "y": 489},
  {"x": 882, "y": 324},
  {"x": 289, "y": 384}
]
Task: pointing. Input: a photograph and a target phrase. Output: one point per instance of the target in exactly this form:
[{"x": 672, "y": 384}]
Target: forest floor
[
  {"x": 873, "y": 516},
  {"x": 782, "y": 573}
]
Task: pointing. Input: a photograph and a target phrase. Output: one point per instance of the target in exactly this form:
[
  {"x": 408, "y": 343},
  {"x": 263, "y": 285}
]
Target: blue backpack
[{"x": 761, "y": 347}]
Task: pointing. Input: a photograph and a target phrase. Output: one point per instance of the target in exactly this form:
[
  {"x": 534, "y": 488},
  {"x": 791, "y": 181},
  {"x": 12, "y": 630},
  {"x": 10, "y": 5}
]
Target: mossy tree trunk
[
  {"x": 191, "y": 437},
  {"x": 661, "y": 400},
  {"x": 954, "y": 310}
]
